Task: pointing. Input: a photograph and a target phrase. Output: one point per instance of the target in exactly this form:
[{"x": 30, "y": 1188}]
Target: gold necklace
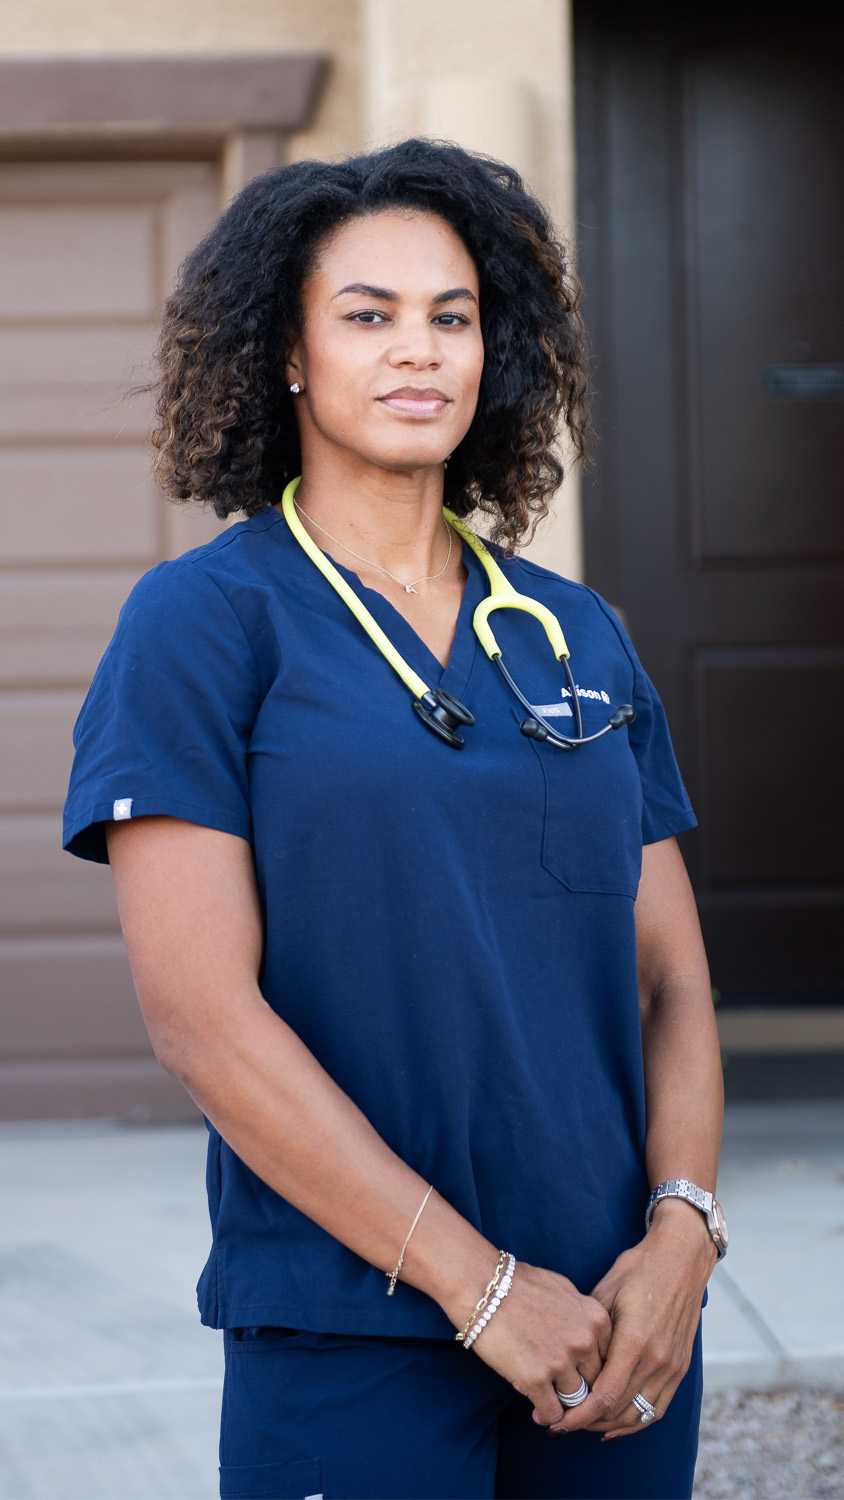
[{"x": 408, "y": 587}]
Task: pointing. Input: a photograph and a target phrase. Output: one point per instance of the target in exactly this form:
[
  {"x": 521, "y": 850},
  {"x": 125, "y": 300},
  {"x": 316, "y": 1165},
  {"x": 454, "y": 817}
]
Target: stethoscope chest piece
[{"x": 443, "y": 714}]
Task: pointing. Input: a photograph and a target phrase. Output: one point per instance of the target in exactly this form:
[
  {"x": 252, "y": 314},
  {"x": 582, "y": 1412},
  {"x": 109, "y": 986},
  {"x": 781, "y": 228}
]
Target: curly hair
[{"x": 226, "y": 433}]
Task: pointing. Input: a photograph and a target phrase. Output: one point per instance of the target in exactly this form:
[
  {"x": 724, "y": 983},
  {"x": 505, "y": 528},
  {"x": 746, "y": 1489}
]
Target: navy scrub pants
[{"x": 336, "y": 1415}]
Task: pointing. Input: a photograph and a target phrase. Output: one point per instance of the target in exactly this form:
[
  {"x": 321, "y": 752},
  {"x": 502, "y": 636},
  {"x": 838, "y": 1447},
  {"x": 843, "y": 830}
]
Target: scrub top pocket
[{"x": 592, "y": 827}]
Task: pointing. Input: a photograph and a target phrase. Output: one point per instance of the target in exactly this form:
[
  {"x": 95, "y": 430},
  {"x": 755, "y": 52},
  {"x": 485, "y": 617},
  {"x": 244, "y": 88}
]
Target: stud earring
[{"x": 295, "y": 388}]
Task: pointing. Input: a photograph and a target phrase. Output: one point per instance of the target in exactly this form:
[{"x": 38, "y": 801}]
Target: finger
[
  {"x": 627, "y": 1417},
  {"x": 570, "y": 1383},
  {"x": 547, "y": 1407},
  {"x": 590, "y": 1368},
  {"x": 603, "y": 1341},
  {"x": 602, "y": 1326},
  {"x": 636, "y": 1422},
  {"x": 609, "y": 1394},
  {"x": 633, "y": 1418}
]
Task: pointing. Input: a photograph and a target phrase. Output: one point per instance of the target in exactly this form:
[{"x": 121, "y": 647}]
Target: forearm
[
  {"x": 653, "y": 1291},
  {"x": 192, "y": 922},
  {"x": 683, "y": 1083},
  {"x": 279, "y": 1110}
]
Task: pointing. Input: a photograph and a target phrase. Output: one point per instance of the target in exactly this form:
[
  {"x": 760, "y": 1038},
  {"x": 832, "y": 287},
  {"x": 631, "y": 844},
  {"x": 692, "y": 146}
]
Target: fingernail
[
  {"x": 611, "y": 1437},
  {"x": 558, "y": 1431}
]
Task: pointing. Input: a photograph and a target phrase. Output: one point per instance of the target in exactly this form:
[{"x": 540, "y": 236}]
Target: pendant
[{"x": 409, "y": 589}]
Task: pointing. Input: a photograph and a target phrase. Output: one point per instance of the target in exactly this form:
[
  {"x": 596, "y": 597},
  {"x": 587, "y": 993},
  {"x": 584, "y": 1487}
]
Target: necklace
[{"x": 408, "y": 587}]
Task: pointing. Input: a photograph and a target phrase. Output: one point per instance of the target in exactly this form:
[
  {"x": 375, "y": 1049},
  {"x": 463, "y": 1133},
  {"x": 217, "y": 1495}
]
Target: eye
[
  {"x": 451, "y": 319},
  {"x": 368, "y": 315}
]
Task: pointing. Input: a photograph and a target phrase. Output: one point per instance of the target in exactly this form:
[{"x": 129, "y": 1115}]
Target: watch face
[{"x": 720, "y": 1223}]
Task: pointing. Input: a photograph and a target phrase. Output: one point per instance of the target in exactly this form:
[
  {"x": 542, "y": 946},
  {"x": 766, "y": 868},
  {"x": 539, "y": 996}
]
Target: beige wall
[{"x": 494, "y": 75}]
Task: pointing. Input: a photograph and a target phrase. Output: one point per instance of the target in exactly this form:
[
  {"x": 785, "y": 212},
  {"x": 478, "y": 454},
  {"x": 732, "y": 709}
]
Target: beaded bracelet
[{"x": 491, "y": 1300}]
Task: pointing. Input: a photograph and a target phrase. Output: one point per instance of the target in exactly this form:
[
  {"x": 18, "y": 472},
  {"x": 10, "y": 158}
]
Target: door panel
[
  {"x": 69, "y": 997},
  {"x": 87, "y": 252},
  {"x": 42, "y": 891},
  {"x": 106, "y": 267},
  {"x": 764, "y": 781},
  {"x": 34, "y": 653},
  {"x": 84, "y": 484},
  {"x": 712, "y": 227},
  {"x": 763, "y": 127}
]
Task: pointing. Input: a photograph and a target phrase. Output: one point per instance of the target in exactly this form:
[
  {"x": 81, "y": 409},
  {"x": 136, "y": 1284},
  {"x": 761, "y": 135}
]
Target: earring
[{"x": 295, "y": 388}]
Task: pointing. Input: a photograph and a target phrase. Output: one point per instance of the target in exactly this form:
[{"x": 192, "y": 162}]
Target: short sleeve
[
  {"x": 666, "y": 809},
  {"x": 166, "y": 724}
]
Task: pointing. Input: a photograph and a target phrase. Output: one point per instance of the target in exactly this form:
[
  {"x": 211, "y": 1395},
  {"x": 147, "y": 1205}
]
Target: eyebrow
[{"x": 383, "y": 294}]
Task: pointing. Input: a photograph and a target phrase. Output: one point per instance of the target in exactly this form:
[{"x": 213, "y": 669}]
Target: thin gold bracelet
[{"x": 394, "y": 1275}]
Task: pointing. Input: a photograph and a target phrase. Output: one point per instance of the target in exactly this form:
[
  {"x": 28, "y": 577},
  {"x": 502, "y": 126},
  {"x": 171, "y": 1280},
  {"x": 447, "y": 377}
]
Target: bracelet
[
  {"x": 394, "y": 1275},
  {"x": 491, "y": 1300}
]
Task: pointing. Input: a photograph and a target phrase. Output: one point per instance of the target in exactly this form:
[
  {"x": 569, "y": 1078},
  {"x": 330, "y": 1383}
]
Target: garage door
[{"x": 87, "y": 251}]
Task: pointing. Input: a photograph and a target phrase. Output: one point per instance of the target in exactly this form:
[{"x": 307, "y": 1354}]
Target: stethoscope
[{"x": 439, "y": 710}]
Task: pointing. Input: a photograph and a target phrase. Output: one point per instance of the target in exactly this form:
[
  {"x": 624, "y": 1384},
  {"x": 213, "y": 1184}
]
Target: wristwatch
[{"x": 680, "y": 1187}]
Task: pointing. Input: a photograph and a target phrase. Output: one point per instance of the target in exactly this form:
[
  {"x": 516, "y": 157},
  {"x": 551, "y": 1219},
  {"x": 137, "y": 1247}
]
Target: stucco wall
[
  {"x": 495, "y": 76},
  {"x": 491, "y": 74}
]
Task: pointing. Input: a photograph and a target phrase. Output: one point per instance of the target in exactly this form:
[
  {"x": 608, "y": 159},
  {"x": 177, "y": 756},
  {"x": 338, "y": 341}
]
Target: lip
[{"x": 415, "y": 401}]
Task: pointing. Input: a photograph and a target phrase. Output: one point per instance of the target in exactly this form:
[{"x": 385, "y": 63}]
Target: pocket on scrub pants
[{"x": 247, "y": 1387}]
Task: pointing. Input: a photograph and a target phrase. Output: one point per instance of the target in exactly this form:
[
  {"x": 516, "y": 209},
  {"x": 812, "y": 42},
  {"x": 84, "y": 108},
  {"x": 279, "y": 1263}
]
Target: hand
[
  {"x": 653, "y": 1295},
  {"x": 545, "y": 1334}
]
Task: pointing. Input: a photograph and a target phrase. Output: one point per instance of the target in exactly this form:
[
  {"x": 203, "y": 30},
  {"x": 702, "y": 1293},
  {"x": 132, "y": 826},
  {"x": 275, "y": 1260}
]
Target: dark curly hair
[{"x": 226, "y": 432}]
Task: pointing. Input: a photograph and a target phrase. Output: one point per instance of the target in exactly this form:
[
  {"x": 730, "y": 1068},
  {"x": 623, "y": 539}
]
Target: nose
[{"x": 415, "y": 343}]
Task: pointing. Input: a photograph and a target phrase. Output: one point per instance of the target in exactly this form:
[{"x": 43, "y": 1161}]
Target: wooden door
[
  {"x": 711, "y": 207},
  {"x": 87, "y": 251}
]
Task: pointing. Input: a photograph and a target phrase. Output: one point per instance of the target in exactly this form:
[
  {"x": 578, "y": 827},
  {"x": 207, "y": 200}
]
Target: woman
[{"x": 447, "y": 1018}]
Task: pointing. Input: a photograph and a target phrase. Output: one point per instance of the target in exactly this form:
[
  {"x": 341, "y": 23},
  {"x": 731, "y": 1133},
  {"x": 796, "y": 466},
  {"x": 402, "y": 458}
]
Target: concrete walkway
[{"x": 110, "y": 1389}]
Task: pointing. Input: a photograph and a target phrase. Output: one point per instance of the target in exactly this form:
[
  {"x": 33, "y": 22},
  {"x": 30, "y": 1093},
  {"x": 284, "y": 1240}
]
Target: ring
[
  {"x": 643, "y": 1405},
  {"x": 576, "y": 1396}
]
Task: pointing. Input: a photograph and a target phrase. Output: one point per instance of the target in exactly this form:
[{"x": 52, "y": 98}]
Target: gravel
[{"x": 772, "y": 1445}]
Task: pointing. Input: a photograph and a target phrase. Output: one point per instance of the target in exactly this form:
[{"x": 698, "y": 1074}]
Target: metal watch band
[
  {"x": 678, "y": 1187},
  {"x": 681, "y": 1187}
]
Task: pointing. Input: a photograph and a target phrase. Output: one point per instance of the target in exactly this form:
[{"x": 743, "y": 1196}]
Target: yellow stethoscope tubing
[
  {"x": 502, "y": 595},
  {"x": 348, "y": 595}
]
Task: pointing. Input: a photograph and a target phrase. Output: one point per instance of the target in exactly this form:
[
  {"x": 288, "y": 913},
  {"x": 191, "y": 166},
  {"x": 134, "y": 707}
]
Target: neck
[{"x": 390, "y": 518}]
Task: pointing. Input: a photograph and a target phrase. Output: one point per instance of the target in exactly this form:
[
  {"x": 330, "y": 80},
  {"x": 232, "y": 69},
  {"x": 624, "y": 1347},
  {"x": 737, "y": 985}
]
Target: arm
[
  {"x": 192, "y": 922},
  {"x": 653, "y": 1292}
]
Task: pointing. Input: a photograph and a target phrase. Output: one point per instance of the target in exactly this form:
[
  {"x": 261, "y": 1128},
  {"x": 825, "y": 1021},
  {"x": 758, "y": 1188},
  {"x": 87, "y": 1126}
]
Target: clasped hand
[{"x": 634, "y": 1333}]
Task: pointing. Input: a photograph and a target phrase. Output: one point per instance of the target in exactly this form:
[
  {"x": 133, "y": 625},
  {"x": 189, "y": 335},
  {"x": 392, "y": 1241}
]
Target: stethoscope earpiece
[
  {"x": 537, "y": 729},
  {"x": 533, "y": 730},
  {"x": 442, "y": 713},
  {"x": 625, "y": 714}
]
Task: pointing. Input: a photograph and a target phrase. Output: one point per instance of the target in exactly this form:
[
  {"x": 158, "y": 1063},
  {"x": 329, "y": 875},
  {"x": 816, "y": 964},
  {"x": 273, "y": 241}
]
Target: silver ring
[
  {"x": 643, "y": 1406},
  {"x": 576, "y": 1396}
]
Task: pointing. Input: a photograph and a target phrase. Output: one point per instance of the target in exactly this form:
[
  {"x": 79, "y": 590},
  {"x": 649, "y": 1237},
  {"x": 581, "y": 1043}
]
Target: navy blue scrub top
[{"x": 450, "y": 932}]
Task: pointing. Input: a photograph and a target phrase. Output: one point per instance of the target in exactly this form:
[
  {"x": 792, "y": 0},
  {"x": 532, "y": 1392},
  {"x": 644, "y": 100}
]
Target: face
[{"x": 391, "y": 353}]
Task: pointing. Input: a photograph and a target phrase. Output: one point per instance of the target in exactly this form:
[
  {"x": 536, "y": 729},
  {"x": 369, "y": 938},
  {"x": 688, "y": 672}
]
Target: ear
[{"x": 293, "y": 364}]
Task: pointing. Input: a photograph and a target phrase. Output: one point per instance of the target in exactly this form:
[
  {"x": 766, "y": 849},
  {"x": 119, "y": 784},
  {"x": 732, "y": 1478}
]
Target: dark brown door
[{"x": 711, "y": 206}]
